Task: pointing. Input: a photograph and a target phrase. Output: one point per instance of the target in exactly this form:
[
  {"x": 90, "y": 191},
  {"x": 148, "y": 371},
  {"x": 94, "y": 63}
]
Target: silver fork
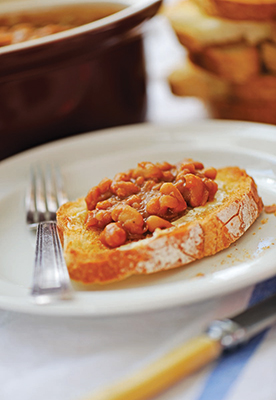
[{"x": 45, "y": 194}]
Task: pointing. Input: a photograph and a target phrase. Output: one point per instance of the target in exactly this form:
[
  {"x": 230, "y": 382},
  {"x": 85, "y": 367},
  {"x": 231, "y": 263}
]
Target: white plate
[{"x": 86, "y": 159}]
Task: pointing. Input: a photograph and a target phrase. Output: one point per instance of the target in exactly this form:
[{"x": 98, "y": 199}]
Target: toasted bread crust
[
  {"x": 238, "y": 63},
  {"x": 268, "y": 55},
  {"x": 231, "y": 56},
  {"x": 252, "y": 101},
  {"x": 197, "y": 30},
  {"x": 255, "y": 111},
  {"x": 191, "y": 80},
  {"x": 251, "y": 10},
  {"x": 201, "y": 232}
]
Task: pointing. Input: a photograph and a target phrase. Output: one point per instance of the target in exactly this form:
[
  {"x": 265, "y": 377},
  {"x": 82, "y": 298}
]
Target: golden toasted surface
[
  {"x": 240, "y": 9},
  {"x": 254, "y": 111},
  {"x": 235, "y": 63},
  {"x": 191, "y": 80},
  {"x": 196, "y": 29},
  {"x": 231, "y": 48},
  {"x": 200, "y": 232},
  {"x": 251, "y": 101}
]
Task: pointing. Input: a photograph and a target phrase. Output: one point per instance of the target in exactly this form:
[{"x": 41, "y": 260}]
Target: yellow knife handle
[{"x": 164, "y": 372}]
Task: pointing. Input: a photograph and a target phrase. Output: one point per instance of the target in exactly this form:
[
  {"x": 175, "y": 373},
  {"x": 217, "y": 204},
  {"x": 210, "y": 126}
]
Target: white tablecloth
[{"x": 53, "y": 358}]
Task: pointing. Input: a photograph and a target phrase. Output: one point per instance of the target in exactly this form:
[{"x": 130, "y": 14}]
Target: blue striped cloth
[{"x": 227, "y": 370}]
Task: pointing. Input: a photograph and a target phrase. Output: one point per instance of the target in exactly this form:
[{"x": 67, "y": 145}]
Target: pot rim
[{"x": 132, "y": 8}]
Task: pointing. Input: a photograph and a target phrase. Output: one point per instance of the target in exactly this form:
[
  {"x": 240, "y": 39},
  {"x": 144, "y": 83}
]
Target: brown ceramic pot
[{"x": 86, "y": 78}]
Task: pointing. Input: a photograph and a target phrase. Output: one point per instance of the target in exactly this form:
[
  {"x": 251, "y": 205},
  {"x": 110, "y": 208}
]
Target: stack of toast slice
[{"x": 231, "y": 63}]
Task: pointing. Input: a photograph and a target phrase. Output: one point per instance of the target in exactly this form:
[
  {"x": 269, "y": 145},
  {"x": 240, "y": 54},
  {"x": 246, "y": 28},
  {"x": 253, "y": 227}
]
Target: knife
[{"x": 220, "y": 336}]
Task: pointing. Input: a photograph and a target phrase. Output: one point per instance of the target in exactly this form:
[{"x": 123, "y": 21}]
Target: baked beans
[{"x": 137, "y": 202}]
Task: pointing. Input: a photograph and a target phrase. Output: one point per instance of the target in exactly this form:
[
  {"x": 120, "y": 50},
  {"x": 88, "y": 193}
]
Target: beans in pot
[
  {"x": 24, "y": 25},
  {"x": 26, "y": 31},
  {"x": 137, "y": 202}
]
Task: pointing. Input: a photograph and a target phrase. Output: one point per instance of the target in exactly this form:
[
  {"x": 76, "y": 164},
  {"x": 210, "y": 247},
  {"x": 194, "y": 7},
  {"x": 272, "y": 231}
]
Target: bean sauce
[{"x": 137, "y": 202}]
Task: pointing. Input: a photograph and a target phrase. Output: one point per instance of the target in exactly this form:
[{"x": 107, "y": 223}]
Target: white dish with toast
[{"x": 86, "y": 159}]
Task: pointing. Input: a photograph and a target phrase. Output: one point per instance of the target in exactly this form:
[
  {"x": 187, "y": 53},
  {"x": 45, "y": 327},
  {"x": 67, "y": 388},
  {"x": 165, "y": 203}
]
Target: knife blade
[{"x": 220, "y": 336}]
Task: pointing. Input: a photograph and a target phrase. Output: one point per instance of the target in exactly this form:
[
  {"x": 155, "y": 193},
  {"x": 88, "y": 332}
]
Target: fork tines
[{"x": 45, "y": 194}]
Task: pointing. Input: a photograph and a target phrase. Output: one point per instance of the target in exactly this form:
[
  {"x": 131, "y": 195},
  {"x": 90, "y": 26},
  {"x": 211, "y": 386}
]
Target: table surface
[{"x": 53, "y": 358}]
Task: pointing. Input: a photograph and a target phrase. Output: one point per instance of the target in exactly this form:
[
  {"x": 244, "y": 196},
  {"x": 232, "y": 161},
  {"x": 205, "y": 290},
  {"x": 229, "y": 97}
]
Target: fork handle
[{"x": 51, "y": 279}]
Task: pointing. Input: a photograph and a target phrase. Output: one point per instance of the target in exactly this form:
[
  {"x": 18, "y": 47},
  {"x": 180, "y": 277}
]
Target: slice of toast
[
  {"x": 268, "y": 52},
  {"x": 252, "y": 101},
  {"x": 191, "y": 80},
  {"x": 237, "y": 63},
  {"x": 242, "y": 110},
  {"x": 197, "y": 30},
  {"x": 201, "y": 231},
  {"x": 252, "y": 10}
]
